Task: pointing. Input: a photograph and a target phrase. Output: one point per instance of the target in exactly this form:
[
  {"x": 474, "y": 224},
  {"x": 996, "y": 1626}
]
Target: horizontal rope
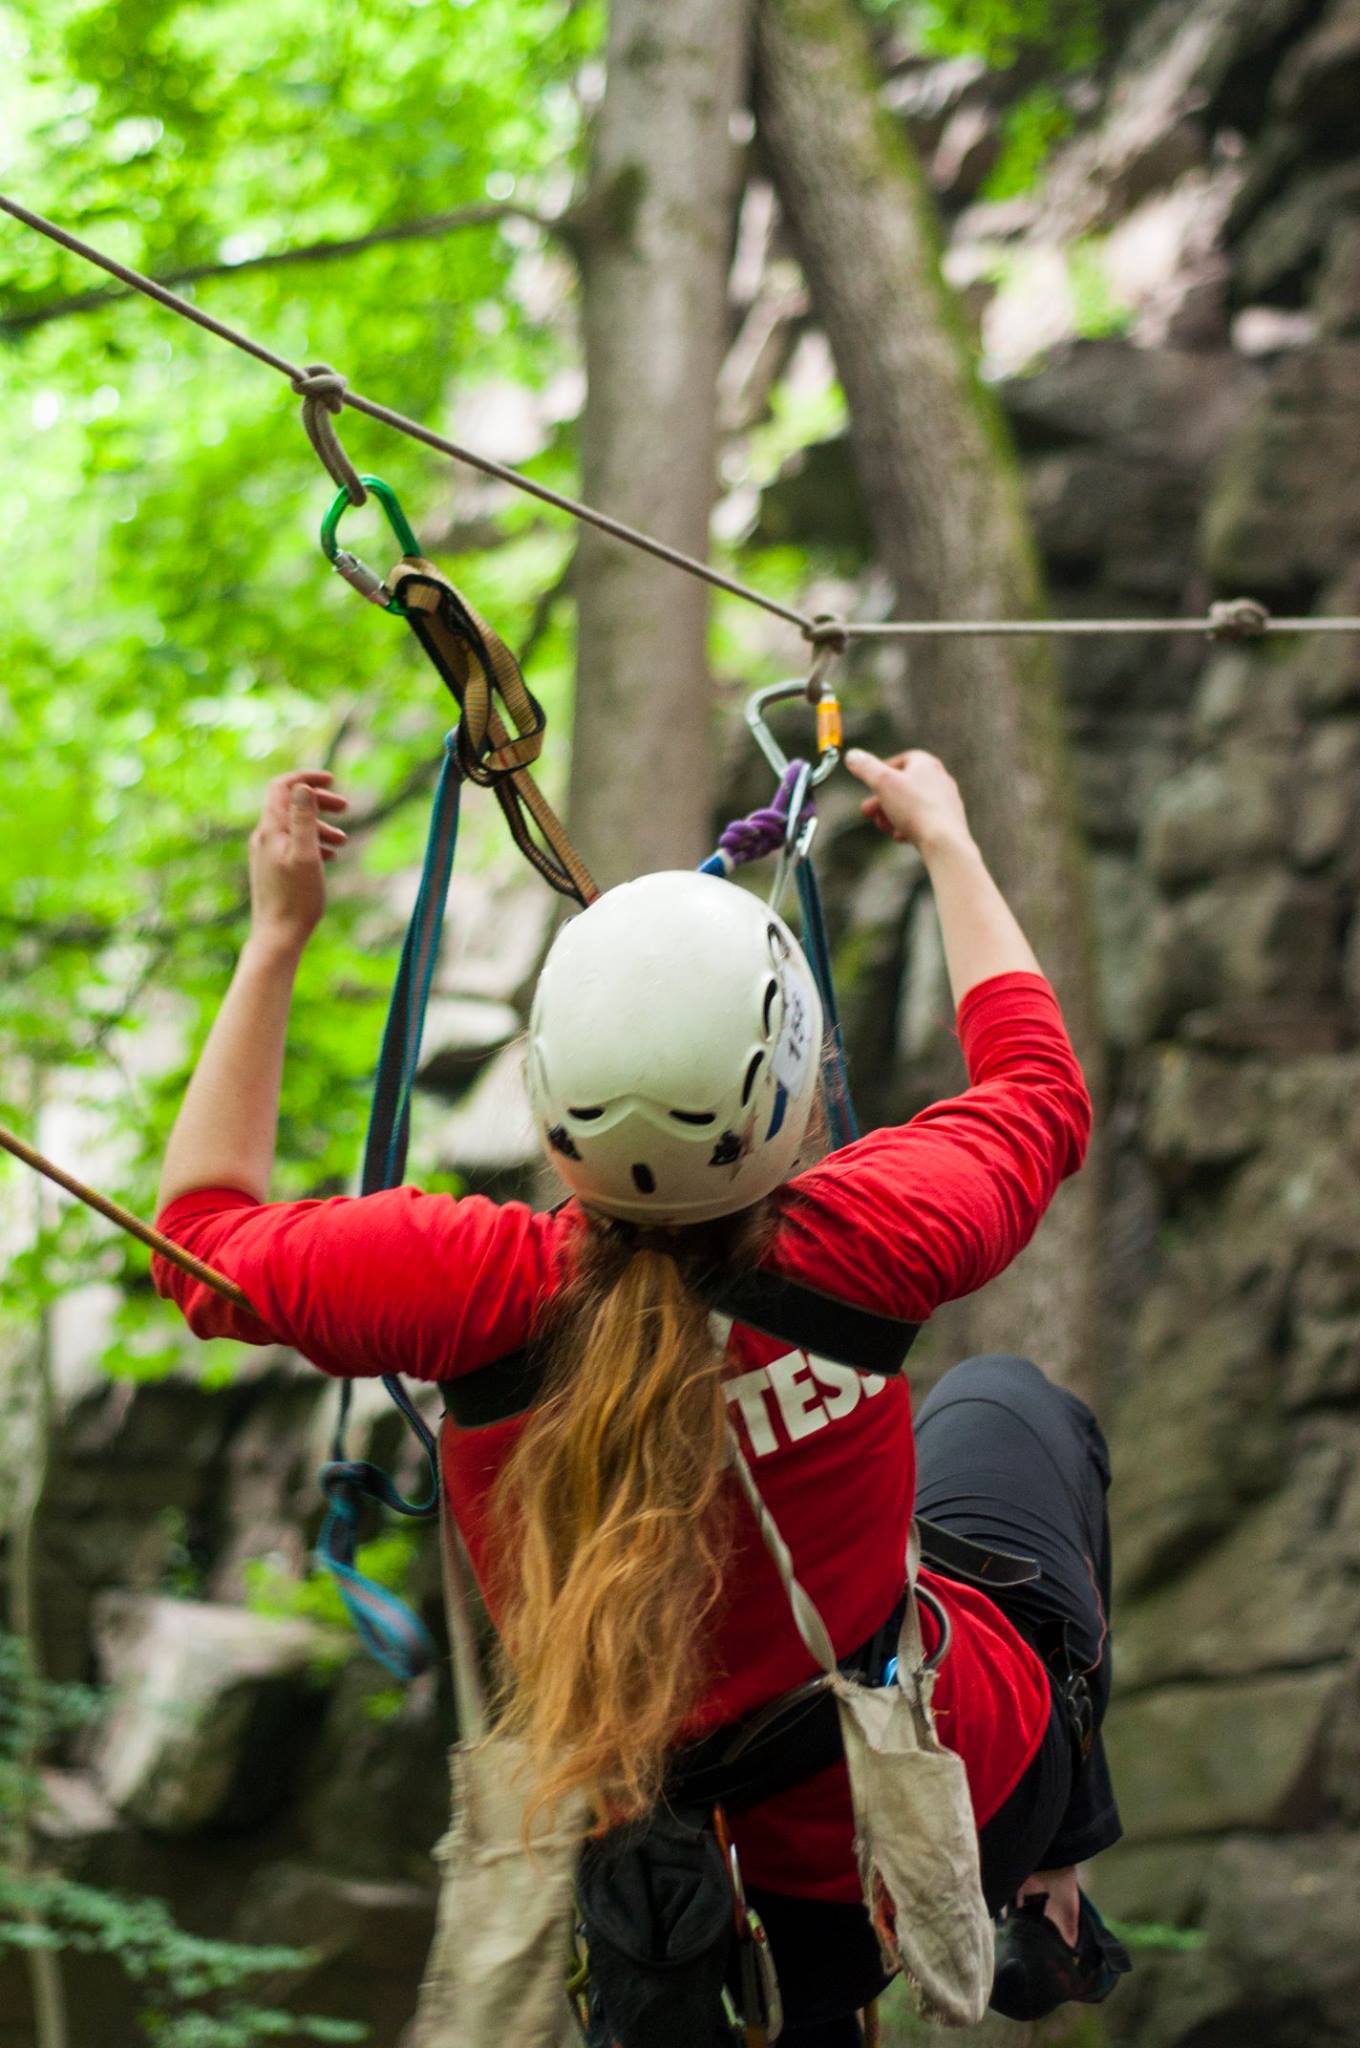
[
  {"x": 1015, "y": 629},
  {"x": 1237, "y": 619}
]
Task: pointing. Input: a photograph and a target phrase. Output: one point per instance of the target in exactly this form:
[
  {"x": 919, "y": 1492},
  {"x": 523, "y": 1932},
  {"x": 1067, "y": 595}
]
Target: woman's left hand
[{"x": 289, "y": 849}]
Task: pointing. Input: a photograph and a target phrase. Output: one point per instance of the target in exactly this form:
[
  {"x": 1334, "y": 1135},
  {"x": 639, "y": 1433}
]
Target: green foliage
[
  {"x": 182, "y": 1576},
  {"x": 1155, "y": 1934},
  {"x": 386, "y": 1704},
  {"x": 1066, "y": 35},
  {"x": 193, "y": 1990},
  {"x": 175, "y": 637},
  {"x": 1096, "y": 310},
  {"x": 1030, "y": 131},
  {"x": 1042, "y": 41}
]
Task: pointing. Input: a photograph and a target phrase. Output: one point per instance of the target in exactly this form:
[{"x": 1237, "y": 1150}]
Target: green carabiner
[{"x": 364, "y": 579}]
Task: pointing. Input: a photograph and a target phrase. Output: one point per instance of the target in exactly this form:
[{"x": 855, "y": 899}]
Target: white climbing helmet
[{"x": 674, "y": 1050}]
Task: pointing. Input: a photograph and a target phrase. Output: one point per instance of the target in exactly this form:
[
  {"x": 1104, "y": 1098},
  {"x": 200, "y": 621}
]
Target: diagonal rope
[
  {"x": 325, "y": 391},
  {"x": 299, "y": 378},
  {"x": 145, "y": 1233}
]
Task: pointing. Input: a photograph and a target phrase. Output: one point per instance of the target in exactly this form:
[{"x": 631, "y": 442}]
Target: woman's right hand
[{"x": 913, "y": 798}]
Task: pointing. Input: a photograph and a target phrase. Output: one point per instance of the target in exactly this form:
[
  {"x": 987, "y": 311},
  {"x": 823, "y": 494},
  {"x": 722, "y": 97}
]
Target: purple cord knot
[{"x": 763, "y": 831}]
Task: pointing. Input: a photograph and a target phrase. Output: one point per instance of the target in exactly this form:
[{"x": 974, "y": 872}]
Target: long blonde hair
[{"x": 611, "y": 1513}]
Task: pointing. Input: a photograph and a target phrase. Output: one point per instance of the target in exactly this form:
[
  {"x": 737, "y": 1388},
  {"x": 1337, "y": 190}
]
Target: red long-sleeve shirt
[{"x": 903, "y": 1220}]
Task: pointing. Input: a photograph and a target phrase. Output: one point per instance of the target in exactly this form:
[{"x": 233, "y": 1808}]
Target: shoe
[{"x": 1036, "y": 1971}]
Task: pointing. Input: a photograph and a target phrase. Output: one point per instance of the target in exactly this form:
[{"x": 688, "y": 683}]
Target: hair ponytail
[{"x": 610, "y": 1513}]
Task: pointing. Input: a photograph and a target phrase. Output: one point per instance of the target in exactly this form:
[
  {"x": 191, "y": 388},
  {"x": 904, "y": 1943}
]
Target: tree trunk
[
  {"x": 942, "y": 492},
  {"x": 654, "y": 253}
]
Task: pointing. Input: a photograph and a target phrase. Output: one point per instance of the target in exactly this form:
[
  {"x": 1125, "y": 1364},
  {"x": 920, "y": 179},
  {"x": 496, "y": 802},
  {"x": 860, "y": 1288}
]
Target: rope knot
[
  {"x": 1238, "y": 618},
  {"x": 322, "y": 391},
  {"x": 826, "y": 630},
  {"x": 320, "y": 381}
]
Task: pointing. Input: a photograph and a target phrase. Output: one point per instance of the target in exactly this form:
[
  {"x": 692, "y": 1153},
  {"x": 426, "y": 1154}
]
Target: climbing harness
[{"x": 667, "y": 1937}]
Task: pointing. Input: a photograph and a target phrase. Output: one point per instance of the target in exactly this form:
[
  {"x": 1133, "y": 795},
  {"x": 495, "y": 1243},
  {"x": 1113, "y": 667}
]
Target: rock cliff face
[
  {"x": 1205, "y": 443},
  {"x": 1212, "y": 450},
  {"x": 1222, "y": 792}
]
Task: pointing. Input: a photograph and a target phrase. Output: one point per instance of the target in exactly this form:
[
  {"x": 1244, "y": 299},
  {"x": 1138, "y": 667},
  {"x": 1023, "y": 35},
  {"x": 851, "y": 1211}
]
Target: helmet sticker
[{"x": 794, "y": 1048}]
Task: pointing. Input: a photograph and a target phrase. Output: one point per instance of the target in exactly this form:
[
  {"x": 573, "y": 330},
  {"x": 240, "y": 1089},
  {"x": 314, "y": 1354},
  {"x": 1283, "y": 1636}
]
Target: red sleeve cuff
[{"x": 196, "y": 1202}]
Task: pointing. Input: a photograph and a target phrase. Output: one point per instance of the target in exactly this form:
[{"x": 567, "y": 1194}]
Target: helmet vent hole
[
  {"x": 586, "y": 1116},
  {"x": 749, "y": 1083},
  {"x": 644, "y": 1180},
  {"x": 695, "y": 1116},
  {"x": 771, "y": 991},
  {"x": 560, "y": 1139}
]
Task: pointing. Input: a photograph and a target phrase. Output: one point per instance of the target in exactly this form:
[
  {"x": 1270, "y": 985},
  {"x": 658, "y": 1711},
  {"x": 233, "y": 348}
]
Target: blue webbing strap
[{"x": 389, "y": 1629}]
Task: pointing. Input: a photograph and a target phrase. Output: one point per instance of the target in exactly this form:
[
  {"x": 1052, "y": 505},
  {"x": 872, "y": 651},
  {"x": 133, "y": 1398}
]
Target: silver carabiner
[
  {"x": 798, "y": 833},
  {"x": 780, "y": 693}
]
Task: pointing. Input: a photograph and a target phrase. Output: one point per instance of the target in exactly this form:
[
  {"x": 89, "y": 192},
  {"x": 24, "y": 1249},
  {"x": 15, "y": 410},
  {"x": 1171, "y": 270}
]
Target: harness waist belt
[{"x": 792, "y": 1738}]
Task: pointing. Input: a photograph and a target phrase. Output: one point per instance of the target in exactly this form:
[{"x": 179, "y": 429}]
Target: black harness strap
[
  {"x": 777, "y": 1307},
  {"x": 496, "y": 1392},
  {"x": 813, "y": 1321}
]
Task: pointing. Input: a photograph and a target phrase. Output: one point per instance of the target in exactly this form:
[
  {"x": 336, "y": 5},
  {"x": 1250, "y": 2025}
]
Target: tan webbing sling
[{"x": 478, "y": 667}]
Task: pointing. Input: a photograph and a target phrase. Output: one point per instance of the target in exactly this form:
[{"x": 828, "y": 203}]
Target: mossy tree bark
[
  {"x": 942, "y": 492},
  {"x": 654, "y": 253}
]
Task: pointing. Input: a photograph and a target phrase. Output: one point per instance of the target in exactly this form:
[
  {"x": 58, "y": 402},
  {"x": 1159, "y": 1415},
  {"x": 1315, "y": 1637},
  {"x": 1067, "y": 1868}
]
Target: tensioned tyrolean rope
[{"x": 325, "y": 391}]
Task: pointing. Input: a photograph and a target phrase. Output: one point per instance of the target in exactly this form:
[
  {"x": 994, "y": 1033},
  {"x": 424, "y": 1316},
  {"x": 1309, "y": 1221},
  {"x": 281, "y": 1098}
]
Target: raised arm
[
  {"x": 394, "y": 1282},
  {"x": 914, "y": 1216},
  {"x": 915, "y": 799},
  {"x": 225, "y": 1133}
]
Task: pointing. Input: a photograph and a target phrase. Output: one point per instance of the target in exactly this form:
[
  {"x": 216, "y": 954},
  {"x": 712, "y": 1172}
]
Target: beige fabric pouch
[{"x": 498, "y": 1964}]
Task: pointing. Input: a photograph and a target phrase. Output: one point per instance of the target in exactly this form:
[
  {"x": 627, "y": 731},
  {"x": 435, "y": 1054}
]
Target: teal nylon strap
[{"x": 388, "y": 1628}]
